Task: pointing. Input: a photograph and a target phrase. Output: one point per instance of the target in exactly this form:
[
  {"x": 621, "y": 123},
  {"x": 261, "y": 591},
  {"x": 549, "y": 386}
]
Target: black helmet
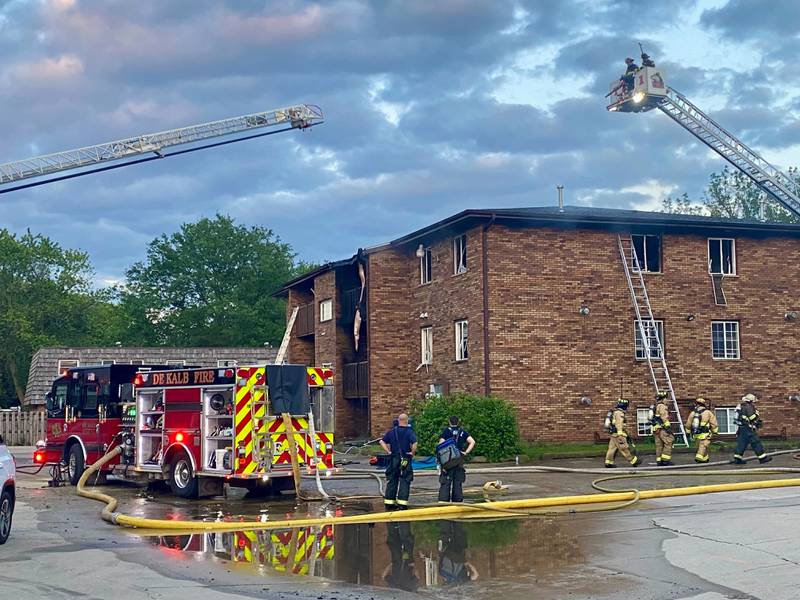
[
  {"x": 662, "y": 395},
  {"x": 623, "y": 403},
  {"x": 217, "y": 403}
]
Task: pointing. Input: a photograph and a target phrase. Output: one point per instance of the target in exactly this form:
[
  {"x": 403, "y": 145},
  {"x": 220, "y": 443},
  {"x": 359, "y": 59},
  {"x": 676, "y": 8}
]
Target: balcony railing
[
  {"x": 356, "y": 380},
  {"x": 349, "y": 305},
  {"x": 304, "y": 325}
]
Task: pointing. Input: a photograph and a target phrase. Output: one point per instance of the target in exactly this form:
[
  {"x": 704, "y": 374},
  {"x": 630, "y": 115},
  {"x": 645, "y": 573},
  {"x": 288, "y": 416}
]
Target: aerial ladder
[
  {"x": 645, "y": 90},
  {"x": 649, "y": 91},
  {"x": 153, "y": 146}
]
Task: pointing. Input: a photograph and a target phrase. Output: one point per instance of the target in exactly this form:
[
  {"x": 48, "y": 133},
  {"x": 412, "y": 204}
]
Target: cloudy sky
[{"x": 431, "y": 107}]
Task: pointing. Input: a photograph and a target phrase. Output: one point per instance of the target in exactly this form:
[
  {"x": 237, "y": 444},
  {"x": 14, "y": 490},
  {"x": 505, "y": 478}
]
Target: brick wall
[
  {"x": 397, "y": 304},
  {"x": 545, "y": 356}
]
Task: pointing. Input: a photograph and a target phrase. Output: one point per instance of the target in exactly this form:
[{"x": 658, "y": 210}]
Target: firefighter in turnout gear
[
  {"x": 749, "y": 422},
  {"x": 619, "y": 437},
  {"x": 702, "y": 424},
  {"x": 400, "y": 443},
  {"x": 661, "y": 430}
]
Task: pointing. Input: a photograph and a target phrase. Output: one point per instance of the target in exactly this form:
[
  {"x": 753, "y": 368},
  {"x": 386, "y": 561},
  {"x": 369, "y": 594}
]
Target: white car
[{"x": 8, "y": 468}]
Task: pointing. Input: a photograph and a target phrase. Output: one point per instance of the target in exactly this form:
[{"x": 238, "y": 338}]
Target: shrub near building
[{"x": 490, "y": 420}]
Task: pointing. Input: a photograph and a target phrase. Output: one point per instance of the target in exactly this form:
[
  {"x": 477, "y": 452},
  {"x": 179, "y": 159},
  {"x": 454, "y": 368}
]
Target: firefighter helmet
[
  {"x": 217, "y": 403},
  {"x": 623, "y": 403},
  {"x": 700, "y": 400},
  {"x": 749, "y": 398},
  {"x": 662, "y": 395}
]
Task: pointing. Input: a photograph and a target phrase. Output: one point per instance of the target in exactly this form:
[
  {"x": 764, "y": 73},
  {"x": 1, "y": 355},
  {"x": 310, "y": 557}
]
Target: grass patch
[{"x": 542, "y": 450}]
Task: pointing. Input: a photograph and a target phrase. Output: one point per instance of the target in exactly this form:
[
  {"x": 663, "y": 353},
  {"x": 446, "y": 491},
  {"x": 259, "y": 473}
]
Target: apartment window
[
  {"x": 725, "y": 340},
  {"x": 460, "y": 254},
  {"x": 107, "y": 362},
  {"x": 67, "y": 363},
  {"x": 648, "y": 252},
  {"x": 226, "y": 363},
  {"x": 654, "y": 338},
  {"x": 137, "y": 361},
  {"x": 325, "y": 310},
  {"x": 462, "y": 337},
  {"x": 176, "y": 363},
  {"x": 643, "y": 425},
  {"x": 725, "y": 420},
  {"x": 721, "y": 256},
  {"x": 327, "y": 365},
  {"x": 425, "y": 267},
  {"x": 435, "y": 390},
  {"x": 426, "y": 344}
]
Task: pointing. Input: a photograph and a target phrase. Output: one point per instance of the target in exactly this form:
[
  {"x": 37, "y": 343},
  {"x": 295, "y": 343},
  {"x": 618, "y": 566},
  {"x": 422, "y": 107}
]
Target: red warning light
[
  {"x": 138, "y": 380},
  {"x": 228, "y": 372},
  {"x": 38, "y": 457},
  {"x": 178, "y": 437}
]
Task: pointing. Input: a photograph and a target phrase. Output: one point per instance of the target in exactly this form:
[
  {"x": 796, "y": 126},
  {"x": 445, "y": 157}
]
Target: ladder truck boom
[
  {"x": 648, "y": 91},
  {"x": 300, "y": 116}
]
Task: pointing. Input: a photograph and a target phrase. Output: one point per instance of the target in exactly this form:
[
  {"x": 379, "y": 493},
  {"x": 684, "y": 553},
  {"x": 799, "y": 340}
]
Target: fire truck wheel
[
  {"x": 75, "y": 464},
  {"x": 182, "y": 480}
]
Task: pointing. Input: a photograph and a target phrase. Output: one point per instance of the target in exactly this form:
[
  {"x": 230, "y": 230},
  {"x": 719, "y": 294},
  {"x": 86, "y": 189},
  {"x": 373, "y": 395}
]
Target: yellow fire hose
[{"x": 447, "y": 511}]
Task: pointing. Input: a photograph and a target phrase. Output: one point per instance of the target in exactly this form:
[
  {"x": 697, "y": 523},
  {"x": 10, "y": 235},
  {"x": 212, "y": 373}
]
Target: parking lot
[{"x": 729, "y": 545}]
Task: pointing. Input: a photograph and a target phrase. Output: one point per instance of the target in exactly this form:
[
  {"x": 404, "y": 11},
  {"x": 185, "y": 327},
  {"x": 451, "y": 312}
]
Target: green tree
[
  {"x": 209, "y": 284},
  {"x": 45, "y": 300},
  {"x": 732, "y": 194}
]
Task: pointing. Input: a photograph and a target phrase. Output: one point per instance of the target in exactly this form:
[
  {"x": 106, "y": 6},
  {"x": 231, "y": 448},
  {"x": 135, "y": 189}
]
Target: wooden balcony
[
  {"x": 356, "y": 380},
  {"x": 304, "y": 325}
]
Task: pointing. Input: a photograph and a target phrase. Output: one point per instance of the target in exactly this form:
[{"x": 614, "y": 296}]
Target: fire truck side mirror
[{"x": 125, "y": 392}]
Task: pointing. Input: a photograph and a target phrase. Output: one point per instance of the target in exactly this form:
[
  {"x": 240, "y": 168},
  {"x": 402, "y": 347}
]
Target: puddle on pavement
[{"x": 433, "y": 555}]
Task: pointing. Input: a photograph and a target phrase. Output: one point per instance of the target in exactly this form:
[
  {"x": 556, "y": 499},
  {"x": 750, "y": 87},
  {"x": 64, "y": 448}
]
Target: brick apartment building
[{"x": 532, "y": 305}]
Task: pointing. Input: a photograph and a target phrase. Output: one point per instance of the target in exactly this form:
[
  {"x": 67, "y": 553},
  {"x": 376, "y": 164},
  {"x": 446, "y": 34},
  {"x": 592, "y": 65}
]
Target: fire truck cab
[
  {"x": 201, "y": 428},
  {"x": 84, "y": 415}
]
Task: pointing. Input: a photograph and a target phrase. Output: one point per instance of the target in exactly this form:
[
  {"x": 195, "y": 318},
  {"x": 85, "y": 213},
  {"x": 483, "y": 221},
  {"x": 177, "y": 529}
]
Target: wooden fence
[{"x": 22, "y": 428}]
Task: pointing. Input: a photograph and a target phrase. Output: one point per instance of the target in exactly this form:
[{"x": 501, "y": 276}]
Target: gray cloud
[{"x": 415, "y": 130}]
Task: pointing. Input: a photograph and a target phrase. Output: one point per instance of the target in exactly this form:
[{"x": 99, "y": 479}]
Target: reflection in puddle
[{"x": 407, "y": 556}]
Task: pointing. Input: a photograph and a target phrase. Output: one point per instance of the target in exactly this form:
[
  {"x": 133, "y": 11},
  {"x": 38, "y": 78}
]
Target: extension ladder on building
[
  {"x": 280, "y": 358},
  {"x": 648, "y": 329},
  {"x": 764, "y": 175}
]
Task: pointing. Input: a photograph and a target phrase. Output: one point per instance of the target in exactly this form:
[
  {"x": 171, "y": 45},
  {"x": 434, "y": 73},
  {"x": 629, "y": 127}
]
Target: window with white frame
[
  {"x": 327, "y": 365},
  {"x": 326, "y": 310},
  {"x": 137, "y": 361},
  {"x": 643, "y": 425},
  {"x": 106, "y": 361},
  {"x": 648, "y": 252},
  {"x": 426, "y": 266},
  {"x": 226, "y": 363},
  {"x": 726, "y": 420},
  {"x": 462, "y": 340},
  {"x": 426, "y": 344},
  {"x": 722, "y": 256},
  {"x": 176, "y": 363},
  {"x": 725, "y": 340},
  {"x": 653, "y": 337},
  {"x": 460, "y": 254},
  {"x": 67, "y": 363}
]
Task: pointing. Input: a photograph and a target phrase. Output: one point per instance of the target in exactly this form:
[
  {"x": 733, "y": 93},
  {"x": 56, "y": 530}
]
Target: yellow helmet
[{"x": 701, "y": 400}]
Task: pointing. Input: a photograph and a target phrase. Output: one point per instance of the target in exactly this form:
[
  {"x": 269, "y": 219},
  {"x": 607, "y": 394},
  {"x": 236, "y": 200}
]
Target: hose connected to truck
[{"x": 522, "y": 507}]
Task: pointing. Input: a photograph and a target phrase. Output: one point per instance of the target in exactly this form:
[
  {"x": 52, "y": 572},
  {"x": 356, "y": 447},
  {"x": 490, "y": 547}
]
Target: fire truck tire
[
  {"x": 76, "y": 464},
  {"x": 182, "y": 480}
]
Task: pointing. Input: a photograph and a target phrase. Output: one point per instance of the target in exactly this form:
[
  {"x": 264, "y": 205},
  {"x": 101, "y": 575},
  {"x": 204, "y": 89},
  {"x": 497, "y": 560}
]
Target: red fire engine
[
  {"x": 199, "y": 428},
  {"x": 84, "y": 415}
]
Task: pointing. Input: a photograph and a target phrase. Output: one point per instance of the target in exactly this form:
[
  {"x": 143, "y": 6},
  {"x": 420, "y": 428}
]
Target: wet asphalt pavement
[{"x": 709, "y": 547}]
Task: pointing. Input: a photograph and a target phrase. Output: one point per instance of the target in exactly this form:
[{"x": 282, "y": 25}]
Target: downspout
[{"x": 485, "y": 267}]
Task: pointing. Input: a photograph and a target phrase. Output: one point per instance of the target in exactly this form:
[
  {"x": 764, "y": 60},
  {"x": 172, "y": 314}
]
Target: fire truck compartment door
[{"x": 288, "y": 389}]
